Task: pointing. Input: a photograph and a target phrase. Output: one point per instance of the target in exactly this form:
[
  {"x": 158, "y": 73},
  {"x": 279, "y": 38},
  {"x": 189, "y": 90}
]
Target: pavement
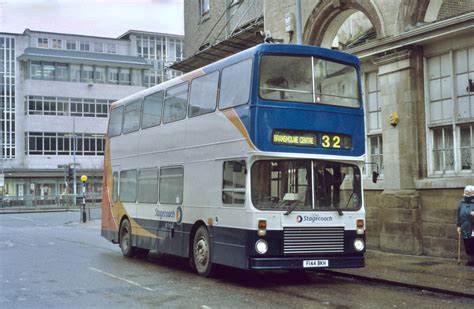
[
  {"x": 440, "y": 275},
  {"x": 435, "y": 274}
]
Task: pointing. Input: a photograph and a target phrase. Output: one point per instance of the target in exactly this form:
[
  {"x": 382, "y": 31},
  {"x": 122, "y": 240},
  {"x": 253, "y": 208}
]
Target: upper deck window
[
  {"x": 131, "y": 119},
  {"x": 235, "y": 84},
  {"x": 309, "y": 80},
  {"x": 152, "y": 107},
  {"x": 115, "y": 121},
  {"x": 203, "y": 94},
  {"x": 176, "y": 100}
]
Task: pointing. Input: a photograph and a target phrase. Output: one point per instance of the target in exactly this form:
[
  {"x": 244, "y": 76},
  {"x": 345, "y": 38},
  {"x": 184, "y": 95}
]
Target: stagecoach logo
[
  {"x": 164, "y": 214},
  {"x": 313, "y": 218}
]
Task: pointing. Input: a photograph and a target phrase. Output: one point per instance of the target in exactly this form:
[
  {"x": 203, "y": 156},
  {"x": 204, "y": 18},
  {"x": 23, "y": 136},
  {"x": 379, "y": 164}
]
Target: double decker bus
[{"x": 253, "y": 162}]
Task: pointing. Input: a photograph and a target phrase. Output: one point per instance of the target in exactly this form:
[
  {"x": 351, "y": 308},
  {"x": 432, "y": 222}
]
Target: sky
[{"x": 104, "y": 18}]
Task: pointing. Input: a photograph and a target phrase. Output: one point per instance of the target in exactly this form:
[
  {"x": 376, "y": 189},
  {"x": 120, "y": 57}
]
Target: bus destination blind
[{"x": 311, "y": 139}]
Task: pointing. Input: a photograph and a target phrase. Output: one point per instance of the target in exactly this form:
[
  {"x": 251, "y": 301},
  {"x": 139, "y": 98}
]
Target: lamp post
[
  {"x": 74, "y": 144},
  {"x": 84, "y": 180}
]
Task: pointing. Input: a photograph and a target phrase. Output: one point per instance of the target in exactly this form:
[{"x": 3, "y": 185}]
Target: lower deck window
[
  {"x": 305, "y": 185},
  {"x": 233, "y": 191},
  {"x": 128, "y": 186},
  {"x": 171, "y": 185}
]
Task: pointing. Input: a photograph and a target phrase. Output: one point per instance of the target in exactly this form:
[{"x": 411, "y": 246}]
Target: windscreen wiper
[
  {"x": 339, "y": 210},
  {"x": 290, "y": 208}
]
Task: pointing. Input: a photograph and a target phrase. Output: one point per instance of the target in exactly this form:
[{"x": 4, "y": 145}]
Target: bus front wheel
[
  {"x": 202, "y": 252},
  {"x": 126, "y": 239}
]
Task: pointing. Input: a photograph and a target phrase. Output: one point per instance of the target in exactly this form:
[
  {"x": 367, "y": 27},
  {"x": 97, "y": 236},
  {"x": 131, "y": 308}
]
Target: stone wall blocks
[
  {"x": 437, "y": 230},
  {"x": 400, "y": 215},
  {"x": 439, "y": 247},
  {"x": 399, "y": 244},
  {"x": 405, "y": 201},
  {"x": 373, "y": 227},
  {"x": 401, "y": 228},
  {"x": 438, "y": 215}
]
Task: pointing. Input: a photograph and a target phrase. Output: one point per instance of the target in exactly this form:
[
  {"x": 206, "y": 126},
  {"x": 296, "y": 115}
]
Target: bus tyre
[
  {"x": 126, "y": 239},
  {"x": 202, "y": 252},
  {"x": 141, "y": 253}
]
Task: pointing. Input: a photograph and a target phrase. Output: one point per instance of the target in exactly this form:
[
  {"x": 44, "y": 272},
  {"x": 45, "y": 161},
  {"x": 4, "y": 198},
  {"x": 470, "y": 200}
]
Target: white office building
[{"x": 55, "y": 92}]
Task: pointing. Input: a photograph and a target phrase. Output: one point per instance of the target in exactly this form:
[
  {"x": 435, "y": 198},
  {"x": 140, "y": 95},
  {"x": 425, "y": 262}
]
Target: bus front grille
[{"x": 311, "y": 240}]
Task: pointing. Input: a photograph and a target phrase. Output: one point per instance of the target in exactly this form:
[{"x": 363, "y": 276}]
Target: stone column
[{"x": 400, "y": 76}]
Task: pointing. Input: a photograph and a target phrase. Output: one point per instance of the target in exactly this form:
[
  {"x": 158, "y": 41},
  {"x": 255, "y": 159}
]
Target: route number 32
[{"x": 331, "y": 141}]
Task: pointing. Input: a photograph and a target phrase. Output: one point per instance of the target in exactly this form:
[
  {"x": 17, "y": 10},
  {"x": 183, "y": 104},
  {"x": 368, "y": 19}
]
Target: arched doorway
[{"x": 328, "y": 17}]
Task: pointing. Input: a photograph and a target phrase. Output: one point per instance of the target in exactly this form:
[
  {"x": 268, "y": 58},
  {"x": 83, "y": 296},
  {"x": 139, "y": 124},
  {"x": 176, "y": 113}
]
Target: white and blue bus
[{"x": 252, "y": 162}]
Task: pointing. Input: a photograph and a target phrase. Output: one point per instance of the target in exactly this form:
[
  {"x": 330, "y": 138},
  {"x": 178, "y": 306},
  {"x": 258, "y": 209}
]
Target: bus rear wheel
[
  {"x": 125, "y": 234},
  {"x": 202, "y": 252}
]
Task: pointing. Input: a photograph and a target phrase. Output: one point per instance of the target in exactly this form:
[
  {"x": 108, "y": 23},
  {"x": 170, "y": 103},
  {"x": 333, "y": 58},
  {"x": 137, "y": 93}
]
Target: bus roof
[{"x": 264, "y": 48}]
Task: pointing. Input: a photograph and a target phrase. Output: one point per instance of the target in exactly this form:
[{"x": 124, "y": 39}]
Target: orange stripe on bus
[{"x": 235, "y": 119}]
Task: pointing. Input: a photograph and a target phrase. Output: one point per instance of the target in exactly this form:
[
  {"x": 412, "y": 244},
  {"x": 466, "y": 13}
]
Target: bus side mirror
[{"x": 375, "y": 175}]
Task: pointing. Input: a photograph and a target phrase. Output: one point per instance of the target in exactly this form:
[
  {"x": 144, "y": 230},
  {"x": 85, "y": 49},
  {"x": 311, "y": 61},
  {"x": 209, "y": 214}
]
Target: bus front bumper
[{"x": 321, "y": 262}]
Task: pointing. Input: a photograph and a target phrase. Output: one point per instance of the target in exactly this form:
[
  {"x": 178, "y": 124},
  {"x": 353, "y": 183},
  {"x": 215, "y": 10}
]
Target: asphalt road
[{"x": 51, "y": 260}]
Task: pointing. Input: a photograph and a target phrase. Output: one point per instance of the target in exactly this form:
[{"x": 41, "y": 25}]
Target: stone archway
[
  {"x": 412, "y": 12},
  {"x": 329, "y": 15}
]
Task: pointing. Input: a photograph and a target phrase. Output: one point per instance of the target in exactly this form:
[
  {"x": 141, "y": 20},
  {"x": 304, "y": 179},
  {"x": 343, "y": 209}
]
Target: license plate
[{"x": 315, "y": 263}]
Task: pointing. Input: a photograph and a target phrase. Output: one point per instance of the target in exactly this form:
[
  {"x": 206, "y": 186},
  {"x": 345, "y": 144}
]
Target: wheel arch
[
  {"x": 124, "y": 217},
  {"x": 194, "y": 228}
]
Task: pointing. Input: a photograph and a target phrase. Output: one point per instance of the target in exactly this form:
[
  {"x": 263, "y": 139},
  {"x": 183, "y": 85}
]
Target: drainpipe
[{"x": 299, "y": 34}]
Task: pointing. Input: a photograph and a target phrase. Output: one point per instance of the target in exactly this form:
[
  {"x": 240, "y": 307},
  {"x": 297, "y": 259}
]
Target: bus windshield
[
  {"x": 309, "y": 80},
  {"x": 280, "y": 184}
]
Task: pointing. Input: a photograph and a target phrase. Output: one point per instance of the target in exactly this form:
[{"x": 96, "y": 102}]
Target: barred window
[
  {"x": 450, "y": 116},
  {"x": 374, "y": 123},
  {"x": 42, "y": 42},
  {"x": 71, "y": 45}
]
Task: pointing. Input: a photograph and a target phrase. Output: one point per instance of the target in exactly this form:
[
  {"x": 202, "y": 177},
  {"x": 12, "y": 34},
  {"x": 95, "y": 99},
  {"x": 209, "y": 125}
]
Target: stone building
[
  {"x": 55, "y": 92},
  {"x": 218, "y": 28},
  {"x": 418, "y": 63}
]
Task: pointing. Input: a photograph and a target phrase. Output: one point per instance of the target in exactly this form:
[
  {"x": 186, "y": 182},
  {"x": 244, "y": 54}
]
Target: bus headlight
[
  {"x": 359, "y": 244},
  {"x": 261, "y": 246}
]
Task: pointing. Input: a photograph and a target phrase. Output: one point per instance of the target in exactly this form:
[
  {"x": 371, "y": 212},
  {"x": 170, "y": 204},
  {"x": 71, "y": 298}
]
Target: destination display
[
  {"x": 311, "y": 139},
  {"x": 295, "y": 138}
]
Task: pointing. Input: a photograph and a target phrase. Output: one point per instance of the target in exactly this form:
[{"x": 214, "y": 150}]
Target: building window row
[
  {"x": 80, "y": 144},
  {"x": 374, "y": 123},
  {"x": 450, "y": 112},
  {"x": 164, "y": 49},
  {"x": 7, "y": 97},
  {"x": 84, "y": 73},
  {"x": 61, "y": 106},
  {"x": 86, "y": 46}
]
